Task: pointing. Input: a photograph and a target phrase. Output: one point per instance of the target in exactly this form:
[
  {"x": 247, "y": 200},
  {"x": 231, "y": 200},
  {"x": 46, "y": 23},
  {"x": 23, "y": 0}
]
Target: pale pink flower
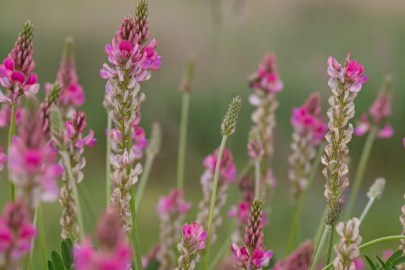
[
  {"x": 359, "y": 263},
  {"x": 227, "y": 166},
  {"x": 3, "y": 159},
  {"x": 16, "y": 234},
  {"x": 387, "y": 253},
  {"x": 6, "y": 111},
  {"x": 174, "y": 202},
  {"x": 255, "y": 260}
]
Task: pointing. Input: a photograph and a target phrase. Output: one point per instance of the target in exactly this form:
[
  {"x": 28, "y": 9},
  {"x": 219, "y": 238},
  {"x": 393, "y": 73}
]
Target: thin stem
[
  {"x": 319, "y": 249},
  {"x": 245, "y": 169},
  {"x": 10, "y": 139},
  {"x": 301, "y": 200},
  {"x": 31, "y": 255},
  {"x": 366, "y": 209},
  {"x": 182, "y": 140},
  {"x": 144, "y": 180},
  {"x": 86, "y": 199},
  {"x": 225, "y": 247},
  {"x": 68, "y": 168},
  {"x": 134, "y": 232},
  {"x": 373, "y": 242},
  {"x": 42, "y": 237},
  {"x": 108, "y": 160},
  {"x": 212, "y": 205},
  {"x": 257, "y": 178},
  {"x": 318, "y": 233},
  {"x": 329, "y": 254},
  {"x": 360, "y": 171}
]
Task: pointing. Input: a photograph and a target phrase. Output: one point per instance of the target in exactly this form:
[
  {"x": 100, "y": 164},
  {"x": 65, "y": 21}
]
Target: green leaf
[
  {"x": 66, "y": 254},
  {"x": 395, "y": 255},
  {"x": 153, "y": 265},
  {"x": 57, "y": 261},
  {"x": 398, "y": 261},
  {"x": 370, "y": 262},
  {"x": 70, "y": 242},
  {"x": 381, "y": 262},
  {"x": 50, "y": 265}
]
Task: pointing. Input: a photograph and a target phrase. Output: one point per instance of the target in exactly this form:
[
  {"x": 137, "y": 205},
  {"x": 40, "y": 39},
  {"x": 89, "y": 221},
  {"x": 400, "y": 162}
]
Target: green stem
[
  {"x": 144, "y": 180},
  {"x": 212, "y": 205},
  {"x": 366, "y": 209},
  {"x": 318, "y": 233},
  {"x": 134, "y": 232},
  {"x": 329, "y": 254},
  {"x": 182, "y": 140},
  {"x": 373, "y": 242},
  {"x": 225, "y": 247},
  {"x": 86, "y": 199},
  {"x": 108, "y": 161},
  {"x": 42, "y": 237},
  {"x": 319, "y": 249},
  {"x": 10, "y": 139},
  {"x": 68, "y": 168},
  {"x": 257, "y": 178},
  {"x": 245, "y": 170},
  {"x": 31, "y": 255},
  {"x": 301, "y": 200},
  {"x": 360, "y": 171}
]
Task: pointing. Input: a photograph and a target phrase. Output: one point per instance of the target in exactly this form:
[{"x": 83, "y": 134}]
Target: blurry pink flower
[
  {"x": 359, "y": 263},
  {"x": 3, "y": 158},
  {"x": 6, "y": 111},
  {"x": 16, "y": 233},
  {"x": 255, "y": 261},
  {"x": 173, "y": 203},
  {"x": 386, "y": 131},
  {"x": 114, "y": 253},
  {"x": 364, "y": 125},
  {"x": 387, "y": 253},
  {"x": 74, "y": 130},
  {"x": 227, "y": 166},
  {"x": 266, "y": 77},
  {"x": 241, "y": 211}
]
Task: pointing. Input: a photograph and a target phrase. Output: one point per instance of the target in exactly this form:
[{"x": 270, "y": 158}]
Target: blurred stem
[
  {"x": 360, "y": 170},
  {"x": 31, "y": 255},
  {"x": 301, "y": 200},
  {"x": 257, "y": 177},
  {"x": 245, "y": 169},
  {"x": 42, "y": 236},
  {"x": 319, "y": 249},
  {"x": 108, "y": 161},
  {"x": 213, "y": 199},
  {"x": 318, "y": 233},
  {"x": 373, "y": 242},
  {"x": 144, "y": 180},
  {"x": 182, "y": 140},
  {"x": 10, "y": 139},
  {"x": 366, "y": 209},
  {"x": 225, "y": 246},
  {"x": 134, "y": 232},
  {"x": 329, "y": 254},
  {"x": 84, "y": 193},
  {"x": 68, "y": 168}
]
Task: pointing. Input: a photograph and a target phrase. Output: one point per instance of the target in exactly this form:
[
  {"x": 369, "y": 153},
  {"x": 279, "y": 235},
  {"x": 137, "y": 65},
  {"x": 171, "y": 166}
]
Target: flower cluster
[
  {"x": 171, "y": 209},
  {"x": 6, "y": 111},
  {"x": 309, "y": 130},
  {"x": 227, "y": 174},
  {"x": 33, "y": 163},
  {"x": 114, "y": 253},
  {"x": 379, "y": 111},
  {"x": 74, "y": 143},
  {"x": 16, "y": 234},
  {"x": 266, "y": 77},
  {"x": 193, "y": 240},
  {"x": 347, "y": 250},
  {"x": 254, "y": 255},
  {"x": 345, "y": 82}
]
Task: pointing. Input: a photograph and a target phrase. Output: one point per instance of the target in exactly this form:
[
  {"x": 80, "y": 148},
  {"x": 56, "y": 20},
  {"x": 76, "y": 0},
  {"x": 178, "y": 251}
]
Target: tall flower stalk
[
  {"x": 185, "y": 88},
  {"x": 345, "y": 82},
  {"x": 379, "y": 111},
  {"x": 347, "y": 249},
  {"x": 16, "y": 75},
  {"x": 375, "y": 192},
  {"x": 227, "y": 129}
]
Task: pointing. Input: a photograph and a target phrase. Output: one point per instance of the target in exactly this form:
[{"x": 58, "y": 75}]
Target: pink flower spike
[
  {"x": 173, "y": 203},
  {"x": 386, "y": 132}
]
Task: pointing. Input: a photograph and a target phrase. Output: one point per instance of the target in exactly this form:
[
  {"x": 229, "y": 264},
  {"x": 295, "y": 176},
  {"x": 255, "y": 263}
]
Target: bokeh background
[{"x": 228, "y": 38}]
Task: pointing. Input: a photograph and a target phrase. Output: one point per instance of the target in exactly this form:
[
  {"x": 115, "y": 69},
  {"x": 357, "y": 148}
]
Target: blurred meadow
[{"x": 227, "y": 48}]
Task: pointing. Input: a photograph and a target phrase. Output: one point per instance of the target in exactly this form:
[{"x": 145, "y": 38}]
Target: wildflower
[
  {"x": 229, "y": 122},
  {"x": 6, "y": 112},
  {"x": 227, "y": 175},
  {"x": 379, "y": 111},
  {"x": 171, "y": 211},
  {"x": 347, "y": 250},
  {"x": 33, "y": 165},
  {"x": 74, "y": 143},
  {"x": 193, "y": 240},
  {"x": 300, "y": 259},
  {"x": 16, "y": 72},
  {"x": 266, "y": 78},
  {"x": 253, "y": 255},
  {"x": 71, "y": 94},
  {"x": 345, "y": 82},
  {"x": 309, "y": 129},
  {"x": 51, "y": 99},
  {"x": 16, "y": 234},
  {"x": 114, "y": 253}
]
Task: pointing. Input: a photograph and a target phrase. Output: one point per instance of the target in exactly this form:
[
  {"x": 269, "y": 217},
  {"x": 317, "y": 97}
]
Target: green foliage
[
  {"x": 153, "y": 265},
  {"x": 392, "y": 263},
  {"x": 64, "y": 259}
]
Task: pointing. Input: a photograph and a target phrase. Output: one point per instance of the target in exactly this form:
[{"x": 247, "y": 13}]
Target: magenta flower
[
  {"x": 266, "y": 77},
  {"x": 227, "y": 167},
  {"x": 359, "y": 263},
  {"x": 74, "y": 131},
  {"x": 16, "y": 233},
  {"x": 114, "y": 253},
  {"x": 241, "y": 212},
  {"x": 258, "y": 259},
  {"x": 194, "y": 235},
  {"x": 174, "y": 202}
]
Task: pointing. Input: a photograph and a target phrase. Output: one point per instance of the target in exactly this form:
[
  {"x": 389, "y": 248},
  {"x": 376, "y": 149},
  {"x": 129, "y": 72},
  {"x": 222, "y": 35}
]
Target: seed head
[{"x": 229, "y": 123}]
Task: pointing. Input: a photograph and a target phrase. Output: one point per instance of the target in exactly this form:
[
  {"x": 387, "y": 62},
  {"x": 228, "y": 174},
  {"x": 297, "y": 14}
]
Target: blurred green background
[{"x": 227, "y": 49}]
